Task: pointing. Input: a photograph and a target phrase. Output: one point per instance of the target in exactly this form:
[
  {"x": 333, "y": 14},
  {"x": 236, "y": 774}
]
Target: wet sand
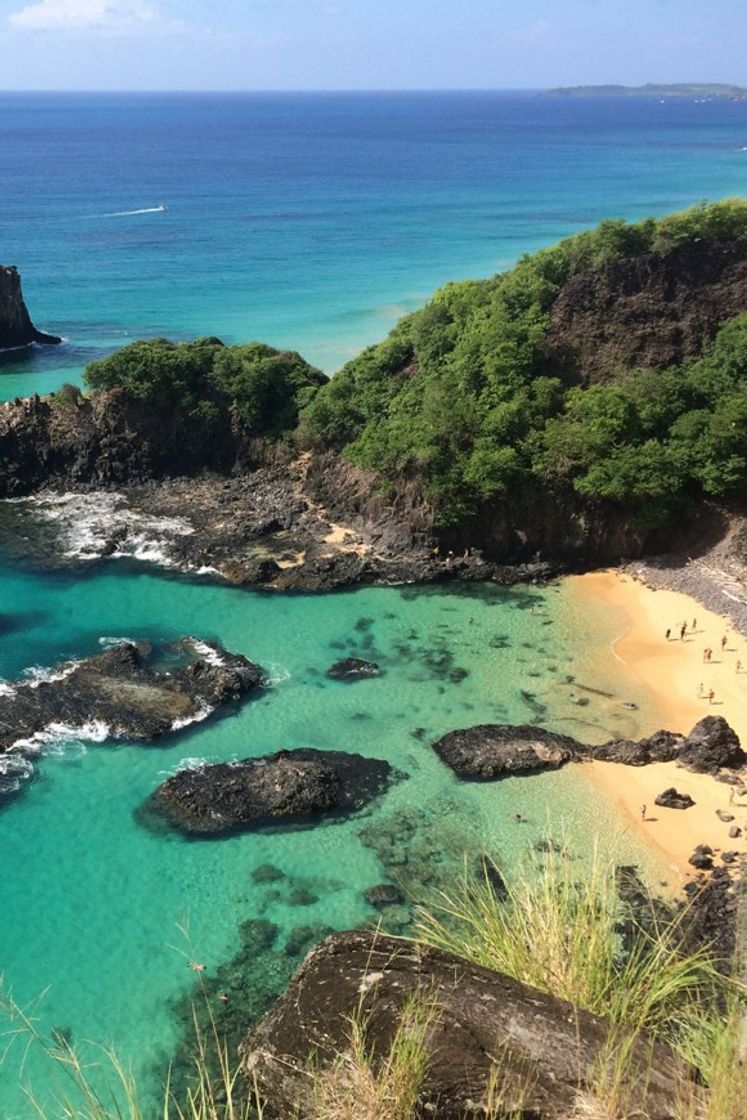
[{"x": 673, "y": 670}]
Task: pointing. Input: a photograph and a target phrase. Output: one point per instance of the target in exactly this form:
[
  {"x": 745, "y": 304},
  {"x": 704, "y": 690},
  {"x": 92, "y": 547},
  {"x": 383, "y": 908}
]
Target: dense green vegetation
[
  {"x": 464, "y": 396},
  {"x": 264, "y": 388}
]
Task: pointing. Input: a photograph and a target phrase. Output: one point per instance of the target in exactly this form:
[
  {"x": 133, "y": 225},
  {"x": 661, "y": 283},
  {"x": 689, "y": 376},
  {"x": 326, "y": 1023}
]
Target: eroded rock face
[
  {"x": 130, "y": 692},
  {"x": 542, "y": 1043},
  {"x": 16, "y": 328},
  {"x": 498, "y": 750},
  {"x": 650, "y": 311},
  {"x": 290, "y": 787}
]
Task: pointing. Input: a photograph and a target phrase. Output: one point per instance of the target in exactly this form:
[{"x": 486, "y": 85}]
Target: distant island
[{"x": 652, "y": 89}]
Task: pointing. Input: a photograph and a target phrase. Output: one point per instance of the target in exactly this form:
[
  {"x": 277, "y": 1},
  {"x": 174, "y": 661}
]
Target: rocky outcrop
[
  {"x": 290, "y": 787},
  {"x": 662, "y": 746},
  {"x": 712, "y": 745},
  {"x": 16, "y": 328},
  {"x": 671, "y": 799},
  {"x": 491, "y": 751},
  {"x": 650, "y": 311},
  {"x": 134, "y": 691},
  {"x": 543, "y": 1052}
]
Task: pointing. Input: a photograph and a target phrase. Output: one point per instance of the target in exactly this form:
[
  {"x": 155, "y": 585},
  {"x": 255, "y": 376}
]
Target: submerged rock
[
  {"x": 549, "y": 1052},
  {"x": 134, "y": 691},
  {"x": 353, "y": 669},
  {"x": 279, "y": 789},
  {"x": 383, "y": 894},
  {"x": 497, "y": 750}
]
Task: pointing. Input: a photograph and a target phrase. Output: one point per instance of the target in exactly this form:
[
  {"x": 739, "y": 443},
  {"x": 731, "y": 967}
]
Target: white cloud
[{"x": 83, "y": 15}]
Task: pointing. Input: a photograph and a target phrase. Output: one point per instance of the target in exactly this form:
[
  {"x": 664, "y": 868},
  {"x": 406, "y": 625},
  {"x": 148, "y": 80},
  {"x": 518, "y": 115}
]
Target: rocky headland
[
  {"x": 192, "y": 464},
  {"x": 16, "y": 328},
  {"x": 134, "y": 691},
  {"x": 292, "y": 787}
]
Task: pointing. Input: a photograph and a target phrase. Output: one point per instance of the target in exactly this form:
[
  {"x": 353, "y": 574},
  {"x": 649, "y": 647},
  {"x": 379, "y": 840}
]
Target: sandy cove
[{"x": 673, "y": 670}]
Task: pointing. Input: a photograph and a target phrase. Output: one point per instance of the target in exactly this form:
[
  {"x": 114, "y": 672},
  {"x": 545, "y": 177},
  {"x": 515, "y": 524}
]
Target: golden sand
[{"x": 679, "y": 682}]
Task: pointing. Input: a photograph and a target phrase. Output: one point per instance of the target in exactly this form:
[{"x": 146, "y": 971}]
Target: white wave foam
[
  {"x": 185, "y": 721},
  {"x": 6, "y": 689},
  {"x": 14, "y": 770},
  {"x": 276, "y": 673},
  {"x": 207, "y": 652},
  {"x": 111, "y": 642},
  {"x": 37, "y": 674},
  {"x": 88, "y": 525},
  {"x": 57, "y": 735}
]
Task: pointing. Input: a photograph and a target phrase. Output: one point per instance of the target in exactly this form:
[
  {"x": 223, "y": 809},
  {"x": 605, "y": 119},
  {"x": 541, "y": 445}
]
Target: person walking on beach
[
  {"x": 738, "y": 667},
  {"x": 723, "y": 643},
  {"x": 711, "y": 696},
  {"x": 694, "y": 625},
  {"x": 643, "y": 812},
  {"x": 700, "y": 691},
  {"x": 667, "y": 633},
  {"x": 683, "y": 631}
]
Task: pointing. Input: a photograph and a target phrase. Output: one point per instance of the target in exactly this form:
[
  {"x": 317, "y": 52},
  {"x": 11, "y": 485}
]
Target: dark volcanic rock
[
  {"x": 662, "y": 746},
  {"x": 133, "y": 691},
  {"x": 671, "y": 799},
  {"x": 710, "y": 746},
  {"x": 702, "y": 858},
  {"x": 279, "y": 789},
  {"x": 499, "y": 750},
  {"x": 544, "y": 1045},
  {"x": 16, "y": 328},
  {"x": 353, "y": 669}
]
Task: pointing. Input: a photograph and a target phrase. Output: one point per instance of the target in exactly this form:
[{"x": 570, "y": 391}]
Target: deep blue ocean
[{"x": 313, "y": 222}]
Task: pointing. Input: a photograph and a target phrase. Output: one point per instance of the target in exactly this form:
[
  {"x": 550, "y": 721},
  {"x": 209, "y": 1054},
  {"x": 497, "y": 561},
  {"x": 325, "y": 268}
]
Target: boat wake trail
[{"x": 129, "y": 213}]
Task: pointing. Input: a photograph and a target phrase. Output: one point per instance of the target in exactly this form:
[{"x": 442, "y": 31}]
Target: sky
[{"x": 367, "y": 44}]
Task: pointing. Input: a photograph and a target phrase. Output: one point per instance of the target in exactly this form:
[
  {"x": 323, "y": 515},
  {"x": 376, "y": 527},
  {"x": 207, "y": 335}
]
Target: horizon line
[{"x": 353, "y": 89}]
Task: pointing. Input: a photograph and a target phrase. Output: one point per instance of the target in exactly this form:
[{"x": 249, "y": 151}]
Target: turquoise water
[
  {"x": 93, "y": 902},
  {"x": 314, "y": 221},
  {"x": 309, "y": 221}
]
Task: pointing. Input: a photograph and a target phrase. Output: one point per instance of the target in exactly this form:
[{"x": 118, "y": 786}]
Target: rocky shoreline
[{"x": 134, "y": 691}]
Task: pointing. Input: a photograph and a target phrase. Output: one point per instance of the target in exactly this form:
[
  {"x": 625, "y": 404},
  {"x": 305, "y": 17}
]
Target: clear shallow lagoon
[
  {"x": 314, "y": 221},
  {"x": 92, "y": 901}
]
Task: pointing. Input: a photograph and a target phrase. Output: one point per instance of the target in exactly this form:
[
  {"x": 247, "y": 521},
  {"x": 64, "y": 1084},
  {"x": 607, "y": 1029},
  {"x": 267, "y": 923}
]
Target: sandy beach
[{"x": 679, "y": 680}]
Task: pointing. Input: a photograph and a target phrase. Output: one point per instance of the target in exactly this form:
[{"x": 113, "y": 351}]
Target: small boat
[{"x": 161, "y": 208}]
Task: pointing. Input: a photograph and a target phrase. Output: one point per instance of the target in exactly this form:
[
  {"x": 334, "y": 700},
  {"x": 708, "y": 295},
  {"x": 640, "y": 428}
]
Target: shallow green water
[{"x": 93, "y": 902}]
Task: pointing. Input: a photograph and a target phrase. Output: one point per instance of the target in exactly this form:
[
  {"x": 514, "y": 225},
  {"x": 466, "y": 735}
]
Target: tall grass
[
  {"x": 360, "y": 1087},
  {"x": 76, "y": 1093},
  {"x": 573, "y": 939},
  {"x": 577, "y": 940}
]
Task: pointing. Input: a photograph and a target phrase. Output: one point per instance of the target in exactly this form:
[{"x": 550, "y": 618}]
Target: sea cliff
[{"x": 16, "y": 328}]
